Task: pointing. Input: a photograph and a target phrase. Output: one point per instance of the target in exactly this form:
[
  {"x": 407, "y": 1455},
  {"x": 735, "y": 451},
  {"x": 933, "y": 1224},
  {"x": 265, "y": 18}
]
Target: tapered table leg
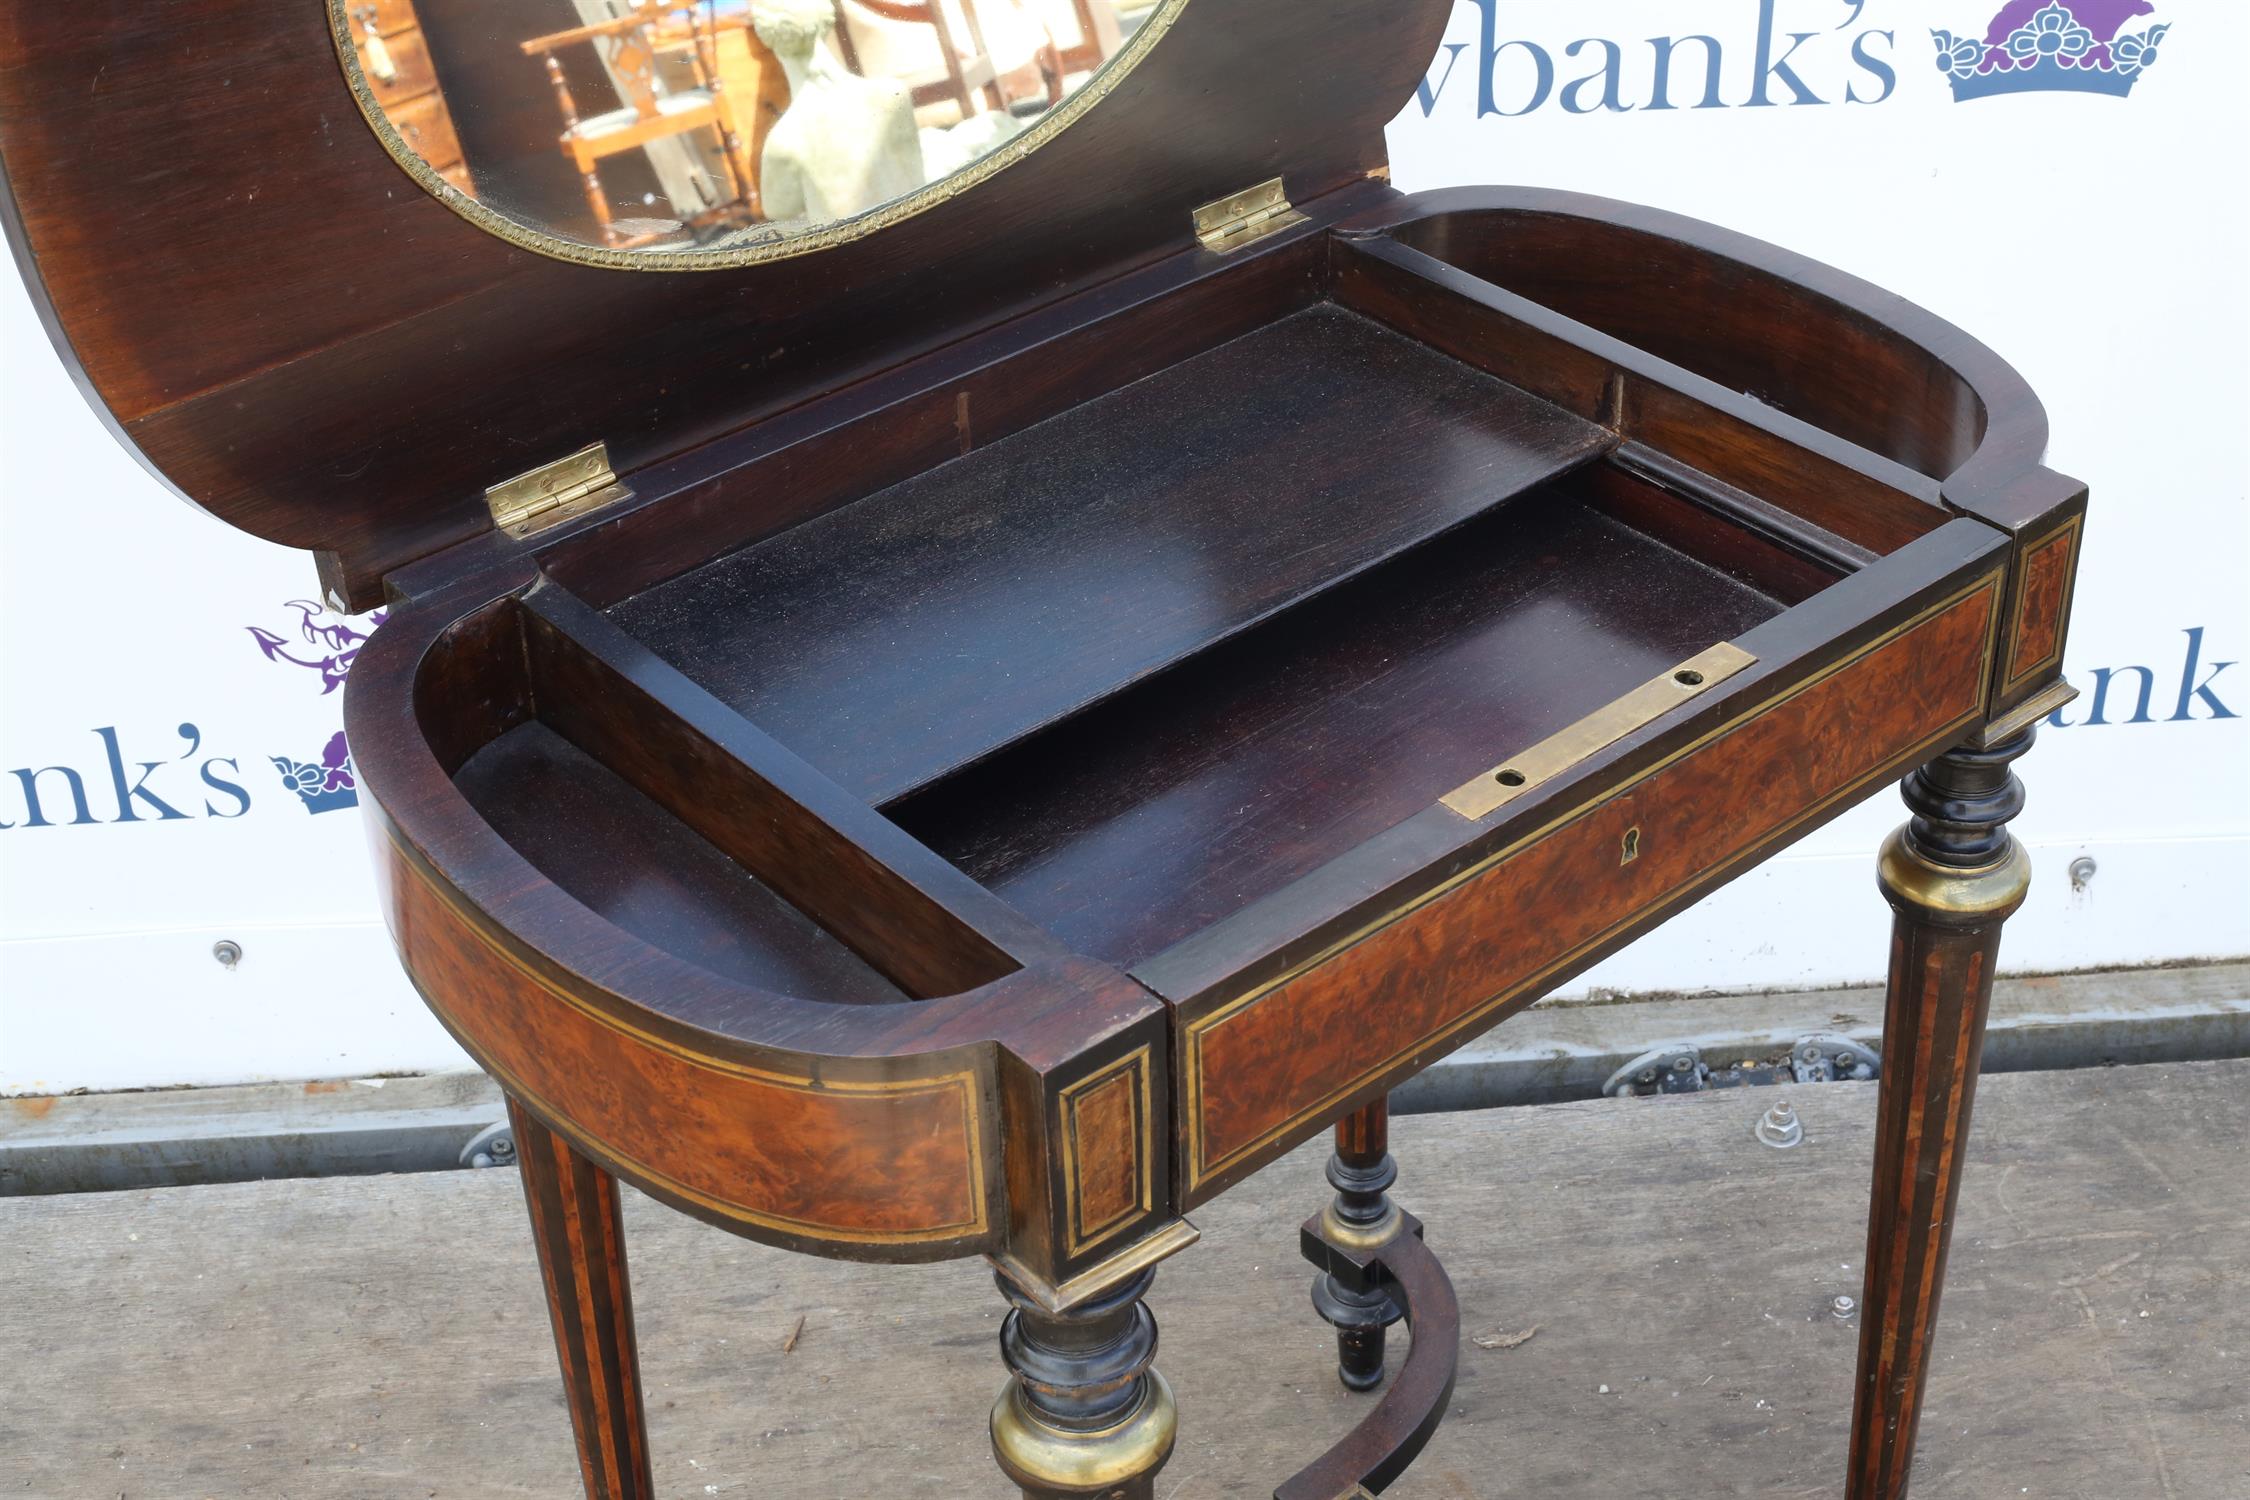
[
  {"x": 1952, "y": 875},
  {"x": 581, "y": 1239},
  {"x": 1362, "y": 1215},
  {"x": 1085, "y": 1416}
]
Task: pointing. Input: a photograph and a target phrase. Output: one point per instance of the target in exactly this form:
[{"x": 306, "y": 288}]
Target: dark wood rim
[{"x": 520, "y": 912}]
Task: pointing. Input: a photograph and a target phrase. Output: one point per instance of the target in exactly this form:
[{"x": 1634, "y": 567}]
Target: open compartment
[
  {"x": 933, "y": 621},
  {"x": 1183, "y": 800},
  {"x": 1217, "y": 605},
  {"x": 1740, "y": 325},
  {"x": 675, "y": 822},
  {"x": 619, "y": 852},
  {"x": 1836, "y": 497}
]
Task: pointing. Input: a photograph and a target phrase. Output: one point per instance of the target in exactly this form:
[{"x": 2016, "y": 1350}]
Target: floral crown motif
[
  {"x": 326, "y": 787},
  {"x": 2071, "y": 46}
]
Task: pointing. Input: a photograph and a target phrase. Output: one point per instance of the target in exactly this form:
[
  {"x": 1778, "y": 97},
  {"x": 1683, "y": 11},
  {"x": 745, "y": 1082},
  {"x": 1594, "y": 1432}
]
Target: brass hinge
[
  {"x": 1236, "y": 220},
  {"x": 536, "y": 500}
]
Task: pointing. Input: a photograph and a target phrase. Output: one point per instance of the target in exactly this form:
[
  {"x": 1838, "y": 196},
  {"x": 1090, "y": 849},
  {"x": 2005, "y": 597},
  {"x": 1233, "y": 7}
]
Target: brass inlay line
[
  {"x": 1201, "y": 1168},
  {"x": 1080, "y": 1234},
  {"x": 963, "y": 1082},
  {"x": 1605, "y": 726},
  {"x": 633, "y": 1167}
]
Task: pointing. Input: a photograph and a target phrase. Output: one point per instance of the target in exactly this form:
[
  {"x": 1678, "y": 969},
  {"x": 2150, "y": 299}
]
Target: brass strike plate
[{"x": 1606, "y": 725}]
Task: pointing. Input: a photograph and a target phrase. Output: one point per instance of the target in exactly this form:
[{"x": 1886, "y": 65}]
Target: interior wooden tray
[
  {"x": 1175, "y": 804},
  {"x": 923, "y": 626},
  {"x": 1150, "y": 655}
]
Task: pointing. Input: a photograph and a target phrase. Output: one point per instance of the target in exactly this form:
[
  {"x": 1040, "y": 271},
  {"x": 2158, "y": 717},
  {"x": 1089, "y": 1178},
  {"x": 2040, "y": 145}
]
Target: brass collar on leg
[
  {"x": 1360, "y": 1239},
  {"x": 1981, "y": 893},
  {"x": 1042, "y": 1457}
]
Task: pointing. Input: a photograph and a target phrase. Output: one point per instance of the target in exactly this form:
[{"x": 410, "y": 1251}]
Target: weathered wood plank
[{"x": 385, "y": 1336}]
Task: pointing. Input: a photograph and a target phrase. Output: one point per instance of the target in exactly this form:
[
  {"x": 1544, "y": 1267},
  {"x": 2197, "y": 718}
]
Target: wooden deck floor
[{"x": 385, "y": 1337}]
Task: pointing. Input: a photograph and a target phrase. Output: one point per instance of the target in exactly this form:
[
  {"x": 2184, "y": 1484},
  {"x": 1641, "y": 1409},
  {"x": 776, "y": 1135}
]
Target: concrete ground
[{"x": 386, "y": 1337}]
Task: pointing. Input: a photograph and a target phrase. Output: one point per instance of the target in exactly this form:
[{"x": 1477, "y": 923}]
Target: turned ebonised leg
[
  {"x": 1952, "y": 875},
  {"x": 581, "y": 1239},
  {"x": 1361, "y": 1170},
  {"x": 1084, "y": 1415}
]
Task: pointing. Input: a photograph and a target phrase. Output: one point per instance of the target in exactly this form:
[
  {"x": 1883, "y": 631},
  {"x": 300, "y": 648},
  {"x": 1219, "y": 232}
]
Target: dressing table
[{"x": 969, "y": 729}]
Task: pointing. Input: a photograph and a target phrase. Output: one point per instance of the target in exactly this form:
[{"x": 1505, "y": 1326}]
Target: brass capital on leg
[
  {"x": 1945, "y": 894},
  {"x": 1954, "y": 862}
]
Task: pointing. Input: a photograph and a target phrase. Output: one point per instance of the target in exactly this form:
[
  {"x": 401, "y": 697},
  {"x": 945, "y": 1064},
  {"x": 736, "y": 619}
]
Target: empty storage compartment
[
  {"x": 1137, "y": 666},
  {"x": 930, "y": 623},
  {"x": 1181, "y": 801},
  {"x": 1783, "y": 342},
  {"x": 688, "y": 835},
  {"x": 598, "y": 837}
]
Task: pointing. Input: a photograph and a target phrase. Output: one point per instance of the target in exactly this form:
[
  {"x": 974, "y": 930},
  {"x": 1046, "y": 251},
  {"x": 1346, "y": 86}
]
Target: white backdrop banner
[{"x": 2048, "y": 174}]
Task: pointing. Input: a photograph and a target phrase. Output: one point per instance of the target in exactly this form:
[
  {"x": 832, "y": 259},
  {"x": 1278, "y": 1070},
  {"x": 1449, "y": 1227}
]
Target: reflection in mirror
[{"x": 717, "y": 125}]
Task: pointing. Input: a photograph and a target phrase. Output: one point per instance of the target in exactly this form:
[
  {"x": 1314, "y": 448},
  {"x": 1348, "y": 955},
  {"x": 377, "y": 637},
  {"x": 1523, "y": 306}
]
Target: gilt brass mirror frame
[{"x": 782, "y": 244}]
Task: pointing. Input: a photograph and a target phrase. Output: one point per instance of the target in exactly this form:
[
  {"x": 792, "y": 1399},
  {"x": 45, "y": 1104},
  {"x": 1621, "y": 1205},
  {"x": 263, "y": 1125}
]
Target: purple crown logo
[
  {"x": 324, "y": 787},
  {"x": 330, "y": 783},
  {"x": 2070, "y": 46}
]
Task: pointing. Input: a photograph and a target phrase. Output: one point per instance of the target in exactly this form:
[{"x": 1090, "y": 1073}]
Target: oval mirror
[{"x": 675, "y": 134}]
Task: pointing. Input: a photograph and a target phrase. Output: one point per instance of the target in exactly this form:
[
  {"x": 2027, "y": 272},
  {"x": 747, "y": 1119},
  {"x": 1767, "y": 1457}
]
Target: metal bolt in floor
[{"x": 1780, "y": 1128}]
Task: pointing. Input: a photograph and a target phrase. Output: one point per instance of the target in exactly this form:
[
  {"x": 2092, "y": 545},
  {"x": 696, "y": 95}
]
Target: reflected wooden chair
[
  {"x": 1097, "y": 34},
  {"x": 965, "y": 72},
  {"x": 634, "y": 46}
]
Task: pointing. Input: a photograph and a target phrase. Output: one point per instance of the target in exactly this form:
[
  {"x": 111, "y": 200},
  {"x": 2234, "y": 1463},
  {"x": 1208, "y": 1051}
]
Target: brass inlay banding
[
  {"x": 1605, "y": 726},
  {"x": 1201, "y": 1167},
  {"x": 964, "y": 1083}
]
